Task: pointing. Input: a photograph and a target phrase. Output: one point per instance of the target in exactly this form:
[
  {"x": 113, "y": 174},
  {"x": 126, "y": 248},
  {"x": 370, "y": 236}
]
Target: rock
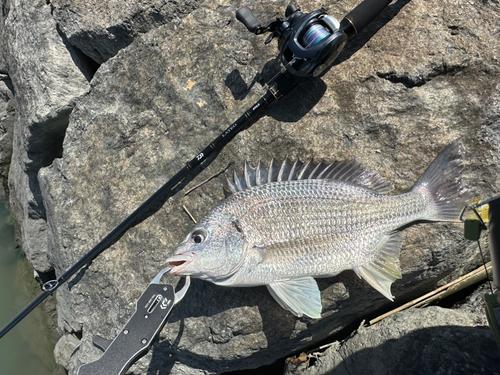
[
  {"x": 4, "y": 4},
  {"x": 101, "y": 28},
  {"x": 420, "y": 76},
  {"x": 65, "y": 348},
  {"x": 47, "y": 76},
  {"x": 129, "y": 135},
  {"x": 7, "y": 119},
  {"x": 432, "y": 340}
]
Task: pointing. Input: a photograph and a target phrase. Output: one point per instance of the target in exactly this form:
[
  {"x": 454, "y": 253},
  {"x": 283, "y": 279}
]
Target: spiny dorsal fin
[
  {"x": 250, "y": 175},
  {"x": 261, "y": 174},
  {"x": 347, "y": 171},
  {"x": 240, "y": 181},
  {"x": 274, "y": 170},
  {"x": 306, "y": 170},
  {"x": 232, "y": 187},
  {"x": 294, "y": 173},
  {"x": 285, "y": 169}
]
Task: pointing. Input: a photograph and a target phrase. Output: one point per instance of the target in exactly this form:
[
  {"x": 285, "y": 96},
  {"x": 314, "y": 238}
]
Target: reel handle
[
  {"x": 246, "y": 17},
  {"x": 357, "y": 19}
]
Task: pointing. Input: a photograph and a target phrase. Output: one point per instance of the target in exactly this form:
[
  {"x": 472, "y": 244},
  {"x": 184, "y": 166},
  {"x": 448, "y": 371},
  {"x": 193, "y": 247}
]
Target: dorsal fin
[
  {"x": 274, "y": 171},
  {"x": 250, "y": 175},
  {"x": 317, "y": 171},
  {"x": 354, "y": 173},
  {"x": 261, "y": 174},
  {"x": 294, "y": 173},
  {"x": 285, "y": 169},
  {"x": 347, "y": 171},
  {"x": 240, "y": 181},
  {"x": 306, "y": 170}
]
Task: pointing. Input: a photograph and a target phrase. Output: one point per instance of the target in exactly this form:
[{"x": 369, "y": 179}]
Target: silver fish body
[
  {"x": 315, "y": 228},
  {"x": 287, "y": 224}
]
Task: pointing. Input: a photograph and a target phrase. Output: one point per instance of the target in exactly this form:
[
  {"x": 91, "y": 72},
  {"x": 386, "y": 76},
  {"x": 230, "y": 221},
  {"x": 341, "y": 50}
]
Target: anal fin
[
  {"x": 300, "y": 296},
  {"x": 384, "y": 269}
]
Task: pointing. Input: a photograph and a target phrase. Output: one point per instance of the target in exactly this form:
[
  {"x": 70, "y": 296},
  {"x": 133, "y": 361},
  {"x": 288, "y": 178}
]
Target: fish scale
[
  {"x": 325, "y": 212},
  {"x": 283, "y": 226}
]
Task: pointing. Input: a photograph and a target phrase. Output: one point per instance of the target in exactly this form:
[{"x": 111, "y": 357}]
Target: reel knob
[
  {"x": 246, "y": 17},
  {"x": 291, "y": 9}
]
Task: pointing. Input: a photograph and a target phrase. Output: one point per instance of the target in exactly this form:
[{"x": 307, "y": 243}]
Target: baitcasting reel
[{"x": 308, "y": 43}]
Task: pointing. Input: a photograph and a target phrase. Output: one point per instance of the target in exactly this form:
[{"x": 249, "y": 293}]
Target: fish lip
[{"x": 180, "y": 261}]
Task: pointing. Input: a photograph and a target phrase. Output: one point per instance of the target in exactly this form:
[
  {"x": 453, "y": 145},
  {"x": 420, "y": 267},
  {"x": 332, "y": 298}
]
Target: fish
[{"x": 284, "y": 225}]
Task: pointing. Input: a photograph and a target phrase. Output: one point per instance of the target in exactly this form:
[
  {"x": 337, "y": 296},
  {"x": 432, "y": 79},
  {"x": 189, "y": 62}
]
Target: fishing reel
[{"x": 308, "y": 42}]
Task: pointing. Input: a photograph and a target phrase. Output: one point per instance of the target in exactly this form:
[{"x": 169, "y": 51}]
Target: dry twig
[
  {"x": 189, "y": 213},
  {"x": 444, "y": 291},
  {"x": 208, "y": 179}
]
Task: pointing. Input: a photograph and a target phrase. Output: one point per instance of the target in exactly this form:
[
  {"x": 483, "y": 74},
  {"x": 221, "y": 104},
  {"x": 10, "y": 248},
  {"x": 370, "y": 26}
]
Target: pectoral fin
[
  {"x": 382, "y": 271},
  {"x": 299, "y": 296}
]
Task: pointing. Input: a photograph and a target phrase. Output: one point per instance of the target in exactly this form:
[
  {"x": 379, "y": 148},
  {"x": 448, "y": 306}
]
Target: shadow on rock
[
  {"x": 240, "y": 89},
  {"x": 436, "y": 350},
  {"x": 224, "y": 319},
  {"x": 291, "y": 108},
  {"x": 358, "y": 42},
  {"x": 216, "y": 322},
  {"x": 294, "y": 106},
  {"x": 163, "y": 355}
]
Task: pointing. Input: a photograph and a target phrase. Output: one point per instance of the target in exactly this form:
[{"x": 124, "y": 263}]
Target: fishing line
[
  {"x": 314, "y": 35},
  {"x": 484, "y": 264}
]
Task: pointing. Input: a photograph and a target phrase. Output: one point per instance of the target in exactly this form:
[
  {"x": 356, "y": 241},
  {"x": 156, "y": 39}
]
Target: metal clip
[{"x": 181, "y": 293}]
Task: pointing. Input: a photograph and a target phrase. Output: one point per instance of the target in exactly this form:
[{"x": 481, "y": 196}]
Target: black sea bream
[{"x": 289, "y": 223}]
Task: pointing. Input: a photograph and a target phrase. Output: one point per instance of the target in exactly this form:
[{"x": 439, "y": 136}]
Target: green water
[{"x": 26, "y": 349}]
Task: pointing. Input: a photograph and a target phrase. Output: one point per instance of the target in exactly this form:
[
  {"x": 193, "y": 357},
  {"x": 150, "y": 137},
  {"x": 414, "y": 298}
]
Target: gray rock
[
  {"x": 101, "y": 28},
  {"x": 7, "y": 119},
  {"x": 47, "y": 76},
  {"x": 422, "y": 75},
  {"x": 432, "y": 340},
  {"x": 65, "y": 348},
  {"x": 4, "y": 6}
]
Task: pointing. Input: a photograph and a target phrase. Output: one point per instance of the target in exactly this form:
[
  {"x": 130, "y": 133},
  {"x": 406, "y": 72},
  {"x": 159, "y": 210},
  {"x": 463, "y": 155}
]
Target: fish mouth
[{"x": 179, "y": 261}]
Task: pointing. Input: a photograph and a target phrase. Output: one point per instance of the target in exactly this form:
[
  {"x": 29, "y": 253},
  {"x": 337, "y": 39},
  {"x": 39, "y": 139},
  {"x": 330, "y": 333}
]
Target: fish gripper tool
[{"x": 136, "y": 337}]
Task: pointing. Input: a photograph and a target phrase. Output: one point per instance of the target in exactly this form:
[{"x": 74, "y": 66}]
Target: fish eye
[{"x": 198, "y": 236}]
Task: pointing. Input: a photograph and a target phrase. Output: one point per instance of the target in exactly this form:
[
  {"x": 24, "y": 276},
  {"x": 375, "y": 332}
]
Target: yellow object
[{"x": 482, "y": 210}]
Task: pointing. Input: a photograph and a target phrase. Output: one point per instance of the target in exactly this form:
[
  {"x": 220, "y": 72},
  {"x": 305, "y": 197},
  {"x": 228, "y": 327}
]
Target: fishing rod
[{"x": 308, "y": 44}]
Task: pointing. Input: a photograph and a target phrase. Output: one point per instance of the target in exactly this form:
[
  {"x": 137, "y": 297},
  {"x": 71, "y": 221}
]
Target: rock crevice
[{"x": 411, "y": 81}]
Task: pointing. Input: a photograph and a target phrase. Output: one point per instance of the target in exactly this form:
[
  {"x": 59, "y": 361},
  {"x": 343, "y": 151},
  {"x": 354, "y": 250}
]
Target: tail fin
[{"x": 442, "y": 184}]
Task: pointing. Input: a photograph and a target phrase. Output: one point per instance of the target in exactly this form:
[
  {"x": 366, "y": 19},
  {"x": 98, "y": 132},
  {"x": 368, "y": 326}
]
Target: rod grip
[
  {"x": 494, "y": 229},
  {"x": 246, "y": 17},
  {"x": 358, "y": 18}
]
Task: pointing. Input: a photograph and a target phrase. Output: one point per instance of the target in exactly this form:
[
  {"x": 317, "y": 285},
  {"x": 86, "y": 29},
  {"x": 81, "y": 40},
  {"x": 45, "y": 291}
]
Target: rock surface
[
  {"x": 101, "y": 28},
  {"x": 7, "y": 119},
  {"x": 421, "y": 75},
  {"x": 432, "y": 340},
  {"x": 47, "y": 76}
]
